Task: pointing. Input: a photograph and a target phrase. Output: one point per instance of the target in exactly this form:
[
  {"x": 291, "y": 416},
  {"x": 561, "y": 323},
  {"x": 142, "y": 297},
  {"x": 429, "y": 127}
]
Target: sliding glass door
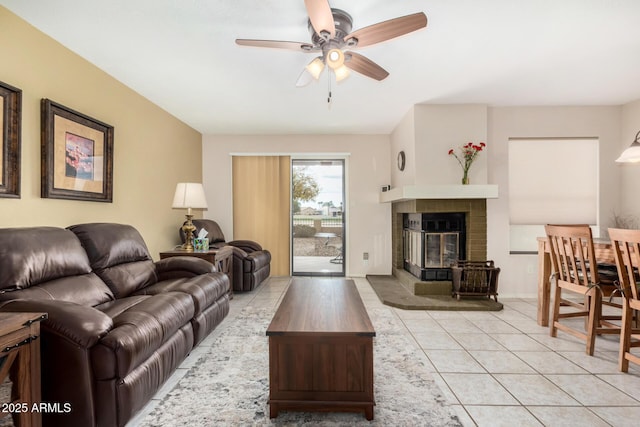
[{"x": 317, "y": 220}]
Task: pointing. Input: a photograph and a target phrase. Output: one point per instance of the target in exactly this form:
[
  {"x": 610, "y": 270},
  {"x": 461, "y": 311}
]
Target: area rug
[{"x": 229, "y": 385}]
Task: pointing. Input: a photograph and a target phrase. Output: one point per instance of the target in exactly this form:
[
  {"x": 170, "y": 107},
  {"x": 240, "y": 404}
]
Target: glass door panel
[{"x": 317, "y": 220}]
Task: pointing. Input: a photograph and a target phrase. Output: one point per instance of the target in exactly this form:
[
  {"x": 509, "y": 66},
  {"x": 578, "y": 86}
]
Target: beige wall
[
  {"x": 519, "y": 272},
  {"x": 367, "y": 169},
  {"x": 152, "y": 149}
]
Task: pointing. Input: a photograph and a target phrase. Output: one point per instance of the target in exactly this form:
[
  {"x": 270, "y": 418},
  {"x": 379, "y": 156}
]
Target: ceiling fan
[{"x": 331, "y": 35}]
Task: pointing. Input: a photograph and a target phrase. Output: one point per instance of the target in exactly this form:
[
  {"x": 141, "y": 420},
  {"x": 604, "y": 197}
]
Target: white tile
[
  {"x": 496, "y": 327},
  {"x": 547, "y": 362},
  {"x": 478, "y": 389},
  {"x": 422, "y": 325},
  {"x": 501, "y": 362},
  {"x": 591, "y": 391},
  {"x": 619, "y": 416},
  {"x": 453, "y": 361},
  {"x": 477, "y": 341},
  {"x": 436, "y": 341},
  {"x": 552, "y": 416},
  {"x": 534, "y": 390},
  {"x": 562, "y": 342},
  {"x": 502, "y": 416},
  {"x": 629, "y": 384},
  {"x": 519, "y": 342},
  {"x": 459, "y": 325},
  {"x": 602, "y": 362}
]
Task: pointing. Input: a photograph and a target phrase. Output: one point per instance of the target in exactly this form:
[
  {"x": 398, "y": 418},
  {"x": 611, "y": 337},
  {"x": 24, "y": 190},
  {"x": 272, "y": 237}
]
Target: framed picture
[
  {"x": 10, "y": 125},
  {"x": 77, "y": 155}
]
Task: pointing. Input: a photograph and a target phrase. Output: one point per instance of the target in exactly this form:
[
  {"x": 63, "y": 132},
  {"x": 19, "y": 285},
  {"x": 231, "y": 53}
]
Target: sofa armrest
[
  {"x": 82, "y": 325},
  {"x": 182, "y": 266},
  {"x": 246, "y": 245}
]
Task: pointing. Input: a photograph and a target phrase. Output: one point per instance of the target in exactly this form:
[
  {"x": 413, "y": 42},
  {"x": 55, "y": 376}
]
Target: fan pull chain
[{"x": 329, "y": 85}]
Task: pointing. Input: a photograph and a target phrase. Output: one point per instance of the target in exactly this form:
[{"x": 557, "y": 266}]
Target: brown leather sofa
[
  {"x": 251, "y": 263},
  {"x": 118, "y": 323}
]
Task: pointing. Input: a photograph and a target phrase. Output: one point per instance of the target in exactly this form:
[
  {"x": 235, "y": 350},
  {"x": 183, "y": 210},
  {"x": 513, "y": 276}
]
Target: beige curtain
[{"x": 261, "y": 205}]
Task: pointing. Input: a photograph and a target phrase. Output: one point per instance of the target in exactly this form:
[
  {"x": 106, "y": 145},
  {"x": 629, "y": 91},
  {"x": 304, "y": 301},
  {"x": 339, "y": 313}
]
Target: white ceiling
[{"x": 181, "y": 55}]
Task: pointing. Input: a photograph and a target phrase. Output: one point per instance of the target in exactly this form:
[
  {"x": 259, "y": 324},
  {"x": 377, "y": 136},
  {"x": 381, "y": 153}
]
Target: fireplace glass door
[{"x": 441, "y": 249}]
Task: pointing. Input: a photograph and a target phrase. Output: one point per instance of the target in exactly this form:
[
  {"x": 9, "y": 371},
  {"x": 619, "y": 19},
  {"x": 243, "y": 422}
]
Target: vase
[{"x": 465, "y": 179}]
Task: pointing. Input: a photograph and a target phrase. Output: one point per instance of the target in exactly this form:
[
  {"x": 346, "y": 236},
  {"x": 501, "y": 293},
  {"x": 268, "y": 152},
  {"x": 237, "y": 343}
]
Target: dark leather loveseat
[
  {"x": 118, "y": 323},
  {"x": 251, "y": 263}
]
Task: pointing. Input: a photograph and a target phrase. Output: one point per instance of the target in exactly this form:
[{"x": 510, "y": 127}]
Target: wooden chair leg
[
  {"x": 553, "y": 331},
  {"x": 625, "y": 338},
  {"x": 593, "y": 322}
]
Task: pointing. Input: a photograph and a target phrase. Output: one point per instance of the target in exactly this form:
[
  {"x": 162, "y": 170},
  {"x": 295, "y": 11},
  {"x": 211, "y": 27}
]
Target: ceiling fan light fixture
[
  {"x": 341, "y": 73},
  {"x": 335, "y": 58},
  {"x": 315, "y": 67}
]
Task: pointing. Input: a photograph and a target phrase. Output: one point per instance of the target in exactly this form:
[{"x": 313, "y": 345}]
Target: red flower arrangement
[{"x": 468, "y": 154}]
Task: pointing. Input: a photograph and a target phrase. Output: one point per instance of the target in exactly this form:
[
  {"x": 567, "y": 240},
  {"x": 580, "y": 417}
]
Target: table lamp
[{"x": 189, "y": 195}]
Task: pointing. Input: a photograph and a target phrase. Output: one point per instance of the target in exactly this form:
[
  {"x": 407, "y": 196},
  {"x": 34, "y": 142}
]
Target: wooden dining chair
[
  {"x": 626, "y": 248},
  {"x": 575, "y": 271}
]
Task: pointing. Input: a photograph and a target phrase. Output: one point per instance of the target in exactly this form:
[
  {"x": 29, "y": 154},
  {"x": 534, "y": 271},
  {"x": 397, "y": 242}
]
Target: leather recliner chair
[{"x": 251, "y": 263}]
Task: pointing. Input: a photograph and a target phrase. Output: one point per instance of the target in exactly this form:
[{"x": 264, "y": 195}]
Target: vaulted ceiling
[{"x": 181, "y": 55}]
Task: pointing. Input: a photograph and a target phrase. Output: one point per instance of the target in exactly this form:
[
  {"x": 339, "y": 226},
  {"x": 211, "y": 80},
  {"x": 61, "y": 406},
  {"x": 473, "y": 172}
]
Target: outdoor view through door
[{"x": 317, "y": 220}]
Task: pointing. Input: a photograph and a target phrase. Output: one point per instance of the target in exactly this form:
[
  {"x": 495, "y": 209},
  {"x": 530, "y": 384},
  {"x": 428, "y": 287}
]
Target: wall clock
[{"x": 401, "y": 160}]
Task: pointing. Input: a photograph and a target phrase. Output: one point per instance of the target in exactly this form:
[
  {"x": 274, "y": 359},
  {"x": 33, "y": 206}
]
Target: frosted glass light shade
[
  {"x": 341, "y": 73},
  {"x": 315, "y": 67},
  {"x": 631, "y": 154}
]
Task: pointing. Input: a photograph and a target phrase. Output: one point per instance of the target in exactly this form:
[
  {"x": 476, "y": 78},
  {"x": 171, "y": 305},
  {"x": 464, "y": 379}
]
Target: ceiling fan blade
[
  {"x": 277, "y": 44},
  {"x": 387, "y": 30},
  {"x": 321, "y": 16},
  {"x": 364, "y": 66}
]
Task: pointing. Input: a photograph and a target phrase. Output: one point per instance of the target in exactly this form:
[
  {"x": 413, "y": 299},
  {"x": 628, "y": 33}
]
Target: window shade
[{"x": 553, "y": 181}]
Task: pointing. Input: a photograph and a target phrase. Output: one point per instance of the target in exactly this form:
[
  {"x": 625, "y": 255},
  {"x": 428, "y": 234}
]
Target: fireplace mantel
[{"x": 413, "y": 192}]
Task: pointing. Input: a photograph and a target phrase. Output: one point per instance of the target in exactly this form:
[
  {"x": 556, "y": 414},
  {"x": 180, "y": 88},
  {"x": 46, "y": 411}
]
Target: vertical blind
[{"x": 261, "y": 205}]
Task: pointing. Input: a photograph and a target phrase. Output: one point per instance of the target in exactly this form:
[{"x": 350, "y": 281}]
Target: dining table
[{"x": 604, "y": 254}]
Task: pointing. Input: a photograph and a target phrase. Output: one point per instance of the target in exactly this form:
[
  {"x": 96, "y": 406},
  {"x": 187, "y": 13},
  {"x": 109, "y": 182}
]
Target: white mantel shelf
[{"x": 413, "y": 192}]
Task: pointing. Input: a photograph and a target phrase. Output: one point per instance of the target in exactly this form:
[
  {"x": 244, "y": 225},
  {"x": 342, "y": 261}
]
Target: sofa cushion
[
  {"x": 47, "y": 263},
  {"x": 86, "y": 290},
  {"x": 204, "y": 289},
  {"x": 30, "y": 256},
  {"x": 141, "y": 324},
  {"x": 117, "y": 254}
]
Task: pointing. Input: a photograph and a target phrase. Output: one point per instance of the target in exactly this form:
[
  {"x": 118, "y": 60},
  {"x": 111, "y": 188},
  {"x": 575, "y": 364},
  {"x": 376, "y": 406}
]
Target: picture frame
[
  {"x": 10, "y": 140},
  {"x": 77, "y": 155}
]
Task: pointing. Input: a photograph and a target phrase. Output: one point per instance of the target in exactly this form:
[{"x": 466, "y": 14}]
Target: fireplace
[
  {"x": 461, "y": 233},
  {"x": 432, "y": 243}
]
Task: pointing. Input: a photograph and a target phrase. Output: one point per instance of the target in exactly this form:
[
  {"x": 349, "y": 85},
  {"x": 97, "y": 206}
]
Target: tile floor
[{"x": 496, "y": 368}]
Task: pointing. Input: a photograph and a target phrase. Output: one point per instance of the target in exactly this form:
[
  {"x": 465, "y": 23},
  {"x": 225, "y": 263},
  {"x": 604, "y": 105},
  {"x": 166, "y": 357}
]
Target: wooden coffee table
[{"x": 321, "y": 349}]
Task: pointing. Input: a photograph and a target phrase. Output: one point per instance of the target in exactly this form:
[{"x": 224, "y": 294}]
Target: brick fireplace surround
[{"x": 476, "y": 232}]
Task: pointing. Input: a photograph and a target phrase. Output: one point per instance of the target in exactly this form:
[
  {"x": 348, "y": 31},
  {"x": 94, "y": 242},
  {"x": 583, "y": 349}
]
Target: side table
[
  {"x": 20, "y": 356},
  {"x": 222, "y": 258}
]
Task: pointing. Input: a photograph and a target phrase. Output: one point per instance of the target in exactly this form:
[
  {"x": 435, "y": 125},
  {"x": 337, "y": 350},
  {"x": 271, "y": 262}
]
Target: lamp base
[{"x": 188, "y": 228}]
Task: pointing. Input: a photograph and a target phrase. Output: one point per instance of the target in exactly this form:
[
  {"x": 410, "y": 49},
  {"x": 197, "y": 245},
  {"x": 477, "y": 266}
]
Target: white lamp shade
[
  {"x": 631, "y": 154},
  {"x": 189, "y": 195}
]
